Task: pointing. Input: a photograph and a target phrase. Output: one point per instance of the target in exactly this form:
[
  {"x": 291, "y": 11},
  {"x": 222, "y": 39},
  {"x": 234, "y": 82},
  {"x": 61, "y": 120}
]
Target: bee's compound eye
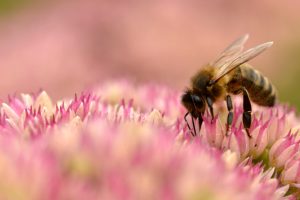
[
  {"x": 197, "y": 101},
  {"x": 187, "y": 101}
]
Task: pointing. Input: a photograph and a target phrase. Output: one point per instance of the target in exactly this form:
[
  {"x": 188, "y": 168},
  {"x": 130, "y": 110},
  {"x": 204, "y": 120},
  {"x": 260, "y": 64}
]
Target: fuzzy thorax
[{"x": 200, "y": 84}]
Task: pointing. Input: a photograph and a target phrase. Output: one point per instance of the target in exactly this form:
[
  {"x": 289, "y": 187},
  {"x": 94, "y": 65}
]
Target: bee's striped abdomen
[{"x": 260, "y": 89}]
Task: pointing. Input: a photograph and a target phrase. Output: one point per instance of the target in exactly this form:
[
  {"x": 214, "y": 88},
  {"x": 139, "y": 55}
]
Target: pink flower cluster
[
  {"x": 124, "y": 142},
  {"x": 274, "y": 142}
]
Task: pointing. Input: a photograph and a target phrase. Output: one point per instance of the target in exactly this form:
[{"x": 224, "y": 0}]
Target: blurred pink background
[{"x": 67, "y": 46}]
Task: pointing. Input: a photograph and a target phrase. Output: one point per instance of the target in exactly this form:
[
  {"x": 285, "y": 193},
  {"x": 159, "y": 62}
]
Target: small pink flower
[
  {"x": 212, "y": 132},
  {"x": 259, "y": 141},
  {"x": 284, "y": 149},
  {"x": 291, "y": 173},
  {"x": 271, "y": 142}
]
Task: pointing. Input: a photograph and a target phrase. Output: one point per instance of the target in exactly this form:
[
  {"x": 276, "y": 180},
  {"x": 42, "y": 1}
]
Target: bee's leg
[
  {"x": 187, "y": 123},
  {"x": 200, "y": 120},
  {"x": 194, "y": 128},
  {"x": 230, "y": 114},
  {"x": 247, "y": 111},
  {"x": 185, "y": 119},
  {"x": 210, "y": 106}
]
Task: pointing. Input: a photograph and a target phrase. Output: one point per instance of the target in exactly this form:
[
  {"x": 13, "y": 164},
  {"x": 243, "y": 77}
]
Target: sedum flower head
[
  {"x": 274, "y": 141},
  {"x": 124, "y": 142}
]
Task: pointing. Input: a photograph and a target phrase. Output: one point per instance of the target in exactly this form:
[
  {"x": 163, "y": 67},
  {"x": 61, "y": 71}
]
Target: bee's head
[{"x": 194, "y": 103}]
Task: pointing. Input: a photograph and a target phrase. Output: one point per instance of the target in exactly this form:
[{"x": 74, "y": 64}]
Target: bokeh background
[{"x": 66, "y": 46}]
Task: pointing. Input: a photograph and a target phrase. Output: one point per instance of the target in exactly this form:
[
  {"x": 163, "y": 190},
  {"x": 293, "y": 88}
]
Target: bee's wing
[
  {"x": 238, "y": 60},
  {"x": 233, "y": 49}
]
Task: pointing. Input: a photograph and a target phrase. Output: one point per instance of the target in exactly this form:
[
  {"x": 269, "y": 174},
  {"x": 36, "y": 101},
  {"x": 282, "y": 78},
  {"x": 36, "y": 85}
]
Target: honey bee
[{"x": 229, "y": 75}]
